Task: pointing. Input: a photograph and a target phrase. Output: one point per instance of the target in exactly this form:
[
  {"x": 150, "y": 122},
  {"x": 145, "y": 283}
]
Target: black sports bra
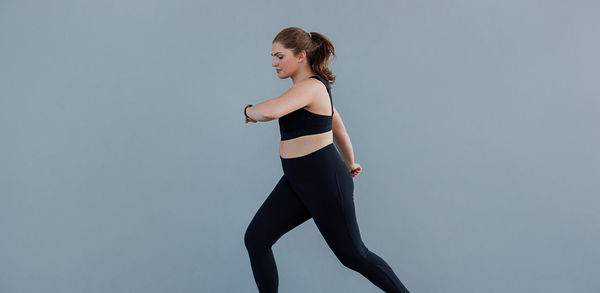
[{"x": 303, "y": 122}]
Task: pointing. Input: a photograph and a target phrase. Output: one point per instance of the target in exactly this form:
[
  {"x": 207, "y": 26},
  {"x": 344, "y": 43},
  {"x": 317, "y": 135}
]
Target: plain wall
[{"x": 126, "y": 166}]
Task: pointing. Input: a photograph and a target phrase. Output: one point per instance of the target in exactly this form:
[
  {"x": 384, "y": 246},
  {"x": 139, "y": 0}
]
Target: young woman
[{"x": 317, "y": 181}]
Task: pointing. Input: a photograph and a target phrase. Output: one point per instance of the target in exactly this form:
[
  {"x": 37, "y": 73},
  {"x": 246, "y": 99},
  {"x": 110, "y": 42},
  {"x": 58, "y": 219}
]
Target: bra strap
[{"x": 328, "y": 90}]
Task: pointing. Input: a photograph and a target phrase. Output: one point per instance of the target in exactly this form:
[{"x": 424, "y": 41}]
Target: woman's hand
[
  {"x": 246, "y": 119},
  {"x": 355, "y": 169}
]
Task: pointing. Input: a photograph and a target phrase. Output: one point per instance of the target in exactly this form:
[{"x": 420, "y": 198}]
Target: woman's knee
[
  {"x": 353, "y": 258},
  {"x": 254, "y": 238},
  {"x": 250, "y": 238}
]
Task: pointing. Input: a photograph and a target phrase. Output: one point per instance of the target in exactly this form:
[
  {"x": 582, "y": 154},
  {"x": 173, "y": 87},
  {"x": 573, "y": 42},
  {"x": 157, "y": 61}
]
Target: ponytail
[{"x": 319, "y": 57}]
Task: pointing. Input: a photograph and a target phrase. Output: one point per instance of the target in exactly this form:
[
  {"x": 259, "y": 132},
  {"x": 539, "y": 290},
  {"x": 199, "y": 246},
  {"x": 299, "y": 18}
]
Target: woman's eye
[{"x": 280, "y": 57}]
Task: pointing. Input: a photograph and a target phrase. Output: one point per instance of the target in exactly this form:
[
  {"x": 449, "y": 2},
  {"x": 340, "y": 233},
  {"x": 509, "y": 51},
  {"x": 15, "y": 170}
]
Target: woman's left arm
[{"x": 341, "y": 138}]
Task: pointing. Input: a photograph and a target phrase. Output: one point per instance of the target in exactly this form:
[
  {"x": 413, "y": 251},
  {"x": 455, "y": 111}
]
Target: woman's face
[{"x": 284, "y": 60}]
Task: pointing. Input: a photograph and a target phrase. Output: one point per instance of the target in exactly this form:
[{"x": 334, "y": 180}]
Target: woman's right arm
[{"x": 341, "y": 138}]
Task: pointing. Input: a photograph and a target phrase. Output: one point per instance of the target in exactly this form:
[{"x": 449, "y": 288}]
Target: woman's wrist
[{"x": 245, "y": 108}]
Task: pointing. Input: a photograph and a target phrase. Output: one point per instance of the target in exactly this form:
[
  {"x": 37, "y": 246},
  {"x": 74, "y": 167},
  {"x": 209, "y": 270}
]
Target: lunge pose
[{"x": 318, "y": 166}]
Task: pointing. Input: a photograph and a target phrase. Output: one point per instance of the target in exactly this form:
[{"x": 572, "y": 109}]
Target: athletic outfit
[{"x": 318, "y": 186}]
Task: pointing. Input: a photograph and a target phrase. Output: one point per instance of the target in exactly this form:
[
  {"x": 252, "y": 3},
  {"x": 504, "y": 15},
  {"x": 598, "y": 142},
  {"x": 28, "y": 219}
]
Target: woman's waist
[
  {"x": 303, "y": 145},
  {"x": 315, "y": 165}
]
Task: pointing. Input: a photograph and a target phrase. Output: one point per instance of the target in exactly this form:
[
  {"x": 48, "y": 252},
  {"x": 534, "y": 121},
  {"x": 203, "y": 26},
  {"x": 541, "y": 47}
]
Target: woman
[{"x": 317, "y": 181}]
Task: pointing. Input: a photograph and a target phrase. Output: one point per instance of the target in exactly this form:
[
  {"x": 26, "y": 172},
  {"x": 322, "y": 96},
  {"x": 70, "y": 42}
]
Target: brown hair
[{"x": 318, "y": 49}]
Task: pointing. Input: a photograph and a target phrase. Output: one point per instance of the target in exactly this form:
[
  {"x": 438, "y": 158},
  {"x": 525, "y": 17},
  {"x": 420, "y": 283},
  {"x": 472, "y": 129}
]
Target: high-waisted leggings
[{"x": 318, "y": 186}]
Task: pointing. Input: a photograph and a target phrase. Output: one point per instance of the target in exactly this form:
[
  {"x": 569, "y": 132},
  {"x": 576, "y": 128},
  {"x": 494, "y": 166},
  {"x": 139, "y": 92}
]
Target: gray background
[{"x": 125, "y": 164}]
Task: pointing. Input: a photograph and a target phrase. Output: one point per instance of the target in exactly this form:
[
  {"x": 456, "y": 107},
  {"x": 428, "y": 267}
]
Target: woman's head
[{"x": 293, "y": 48}]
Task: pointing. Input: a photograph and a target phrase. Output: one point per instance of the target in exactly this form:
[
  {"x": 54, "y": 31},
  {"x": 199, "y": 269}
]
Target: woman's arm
[
  {"x": 298, "y": 96},
  {"x": 341, "y": 139}
]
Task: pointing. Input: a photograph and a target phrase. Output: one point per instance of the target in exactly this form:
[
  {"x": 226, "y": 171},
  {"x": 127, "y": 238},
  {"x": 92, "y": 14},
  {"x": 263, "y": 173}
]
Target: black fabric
[
  {"x": 303, "y": 122},
  {"x": 318, "y": 186}
]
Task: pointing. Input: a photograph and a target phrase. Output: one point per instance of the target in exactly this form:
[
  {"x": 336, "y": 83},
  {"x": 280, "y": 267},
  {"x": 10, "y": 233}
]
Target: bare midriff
[{"x": 304, "y": 145}]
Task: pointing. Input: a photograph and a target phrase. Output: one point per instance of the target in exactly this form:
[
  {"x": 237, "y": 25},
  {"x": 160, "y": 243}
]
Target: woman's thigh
[{"x": 280, "y": 212}]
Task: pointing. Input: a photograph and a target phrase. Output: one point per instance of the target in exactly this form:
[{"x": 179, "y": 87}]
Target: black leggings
[{"x": 318, "y": 186}]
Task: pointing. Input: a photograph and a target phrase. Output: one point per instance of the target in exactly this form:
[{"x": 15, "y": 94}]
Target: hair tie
[{"x": 309, "y": 35}]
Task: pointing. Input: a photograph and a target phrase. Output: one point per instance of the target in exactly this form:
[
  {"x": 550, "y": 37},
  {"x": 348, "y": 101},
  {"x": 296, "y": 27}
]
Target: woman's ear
[{"x": 302, "y": 56}]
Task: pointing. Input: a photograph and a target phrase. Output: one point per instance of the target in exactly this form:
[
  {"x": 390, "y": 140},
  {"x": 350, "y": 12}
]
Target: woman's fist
[{"x": 355, "y": 169}]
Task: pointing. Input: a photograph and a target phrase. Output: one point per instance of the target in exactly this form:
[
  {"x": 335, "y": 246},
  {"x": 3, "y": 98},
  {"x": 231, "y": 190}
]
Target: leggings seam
[{"x": 341, "y": 208}]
